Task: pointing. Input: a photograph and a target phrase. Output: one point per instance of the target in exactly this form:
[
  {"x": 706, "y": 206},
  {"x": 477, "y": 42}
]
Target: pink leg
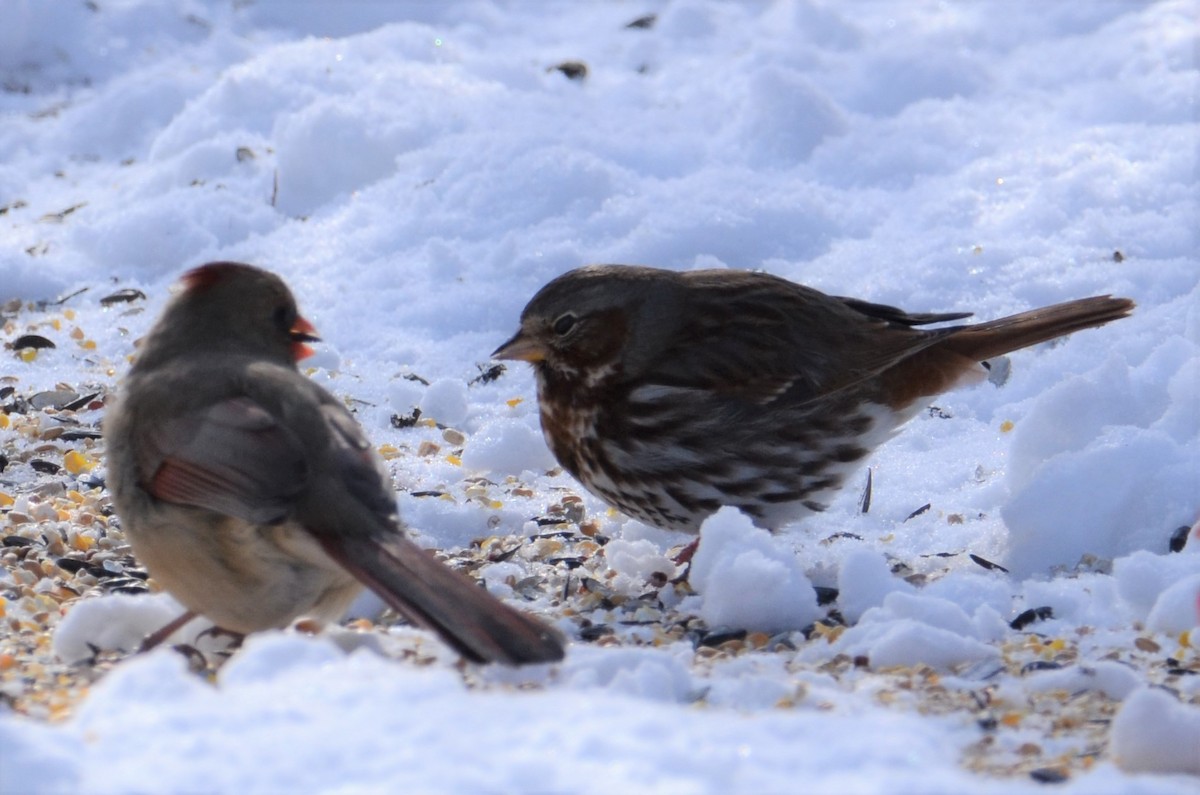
[{"x": 159, "y": 636}]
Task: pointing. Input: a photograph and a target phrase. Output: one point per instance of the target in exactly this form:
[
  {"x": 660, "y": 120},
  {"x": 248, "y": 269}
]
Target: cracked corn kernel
[
  {"x": 3, "y": 421},
  {"x": 453, "y": 459},
  {"x": 76, "y": 462},
  {"x": 1006, "y": 426},
  {"x": 5, "y": 499},
  {"x": 27, "y": 354},
  {"x": 388, "y": 451},
  {"x": 512, "y": 403}
]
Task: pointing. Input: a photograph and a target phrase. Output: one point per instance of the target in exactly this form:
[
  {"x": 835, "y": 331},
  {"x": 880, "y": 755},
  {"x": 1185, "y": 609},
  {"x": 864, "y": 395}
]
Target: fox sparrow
[{"x": 670, "y": 394}]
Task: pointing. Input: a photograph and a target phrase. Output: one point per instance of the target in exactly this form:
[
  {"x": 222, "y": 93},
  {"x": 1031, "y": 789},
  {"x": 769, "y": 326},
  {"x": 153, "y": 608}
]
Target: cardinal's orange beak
[{"x": 301, "y": 332}]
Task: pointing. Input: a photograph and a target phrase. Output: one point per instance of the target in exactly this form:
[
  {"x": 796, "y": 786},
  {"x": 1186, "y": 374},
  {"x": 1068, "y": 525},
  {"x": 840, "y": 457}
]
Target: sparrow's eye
[{"x": 564, "y": 324}]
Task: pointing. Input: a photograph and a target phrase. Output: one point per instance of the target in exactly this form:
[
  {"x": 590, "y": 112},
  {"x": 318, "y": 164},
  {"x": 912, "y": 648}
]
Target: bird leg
[
  {"x": 158, "y": 636},
  {"x": 685, "y": 558}
]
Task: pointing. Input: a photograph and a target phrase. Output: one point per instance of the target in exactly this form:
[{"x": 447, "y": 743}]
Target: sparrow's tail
[
  {"x": 996, "y": 337},
  {"x": 952, "y": 355}
]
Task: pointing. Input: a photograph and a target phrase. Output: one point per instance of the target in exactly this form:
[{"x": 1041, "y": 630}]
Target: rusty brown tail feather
[
  {"x": 997, "y": 337},
  {"x": 947, "y": 363}
]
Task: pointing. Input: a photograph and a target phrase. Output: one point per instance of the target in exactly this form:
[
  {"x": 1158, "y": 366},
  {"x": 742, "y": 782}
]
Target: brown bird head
[
  {"x": 231, "y": 307},
  {"x": 596, "y": 320}
]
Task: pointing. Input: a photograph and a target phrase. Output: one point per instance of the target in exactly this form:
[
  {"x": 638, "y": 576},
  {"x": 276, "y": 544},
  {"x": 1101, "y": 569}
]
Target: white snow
[
  {"x": 445, "y": 402},
  {"x": 1177, "y": 608},
  {"x": 749, "y": 579},
  {"x": 119, "y": 621},
  {"x": 1155, "y": 733},
  {"x": 417, "y": 170},
  {"x": 864, "y": 581},
  {"x": 507, "y": 446}
]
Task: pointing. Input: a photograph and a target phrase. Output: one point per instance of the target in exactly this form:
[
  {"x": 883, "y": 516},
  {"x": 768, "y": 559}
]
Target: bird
[
  {"x": 252, "y": 495},
  {"x": 670, "y": 394}
]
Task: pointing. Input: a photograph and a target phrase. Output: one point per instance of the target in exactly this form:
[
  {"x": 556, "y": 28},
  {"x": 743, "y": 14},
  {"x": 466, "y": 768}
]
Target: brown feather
[
  {"x": 421, "y": 588},
  {"x": 983, "y": 341}
]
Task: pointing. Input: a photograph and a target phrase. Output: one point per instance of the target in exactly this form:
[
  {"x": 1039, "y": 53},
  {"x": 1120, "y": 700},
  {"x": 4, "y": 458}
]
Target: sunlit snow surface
[{"x": 417, "y": 170}]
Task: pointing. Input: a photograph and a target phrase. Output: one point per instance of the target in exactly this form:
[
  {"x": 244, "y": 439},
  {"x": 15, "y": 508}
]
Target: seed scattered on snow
[
  {"x": 59, "y": 546},
  {"x": 125, "y": 296}
]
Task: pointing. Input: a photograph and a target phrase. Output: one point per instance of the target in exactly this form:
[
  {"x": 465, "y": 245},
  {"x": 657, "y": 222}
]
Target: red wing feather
[{"x": 232, "y": 458}]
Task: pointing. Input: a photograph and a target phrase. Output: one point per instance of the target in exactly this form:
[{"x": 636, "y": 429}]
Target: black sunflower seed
[{"x": 34, "y": 341}]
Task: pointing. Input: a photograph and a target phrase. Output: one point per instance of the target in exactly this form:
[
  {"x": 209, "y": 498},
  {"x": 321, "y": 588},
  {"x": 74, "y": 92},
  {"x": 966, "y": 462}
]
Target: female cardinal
[{"x": 253, "y": 496}]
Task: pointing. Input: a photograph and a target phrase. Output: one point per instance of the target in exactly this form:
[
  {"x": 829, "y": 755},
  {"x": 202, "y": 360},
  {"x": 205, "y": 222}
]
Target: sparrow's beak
[
  {"x": 521, "y": 348},
  {"x": 301, "y": 332}
]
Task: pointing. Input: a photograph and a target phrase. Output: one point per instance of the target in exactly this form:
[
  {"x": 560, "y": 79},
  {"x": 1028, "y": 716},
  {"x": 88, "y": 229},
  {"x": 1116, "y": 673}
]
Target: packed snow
[{"x": 416, "y": 171}]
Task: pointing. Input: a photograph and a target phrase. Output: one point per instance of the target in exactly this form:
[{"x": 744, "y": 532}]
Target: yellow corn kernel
[
  {"x": 455, "y": 460},
  {"x": 27, "y": 354},
  {"x": 83, "y": 543},
  {"x": 1006, "y": 426},
  {"x": 69, "y": 314},
  {"x": 830, "y": 634},
  {"x": 76, "y": 462},
  {"x": 388, "y": 451},
  {"x": 57, "y": 324},
  {"x": 5, "y": 499},
  {"x": 512, "y": 403},
  {"x": 88, "y": 345},
  {"x": 4, "y": 421}
]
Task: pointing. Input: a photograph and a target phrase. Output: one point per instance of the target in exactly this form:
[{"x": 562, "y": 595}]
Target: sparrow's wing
[
  {"x": 232, "y": 457},
  {"x": 759, "y": 340}
]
